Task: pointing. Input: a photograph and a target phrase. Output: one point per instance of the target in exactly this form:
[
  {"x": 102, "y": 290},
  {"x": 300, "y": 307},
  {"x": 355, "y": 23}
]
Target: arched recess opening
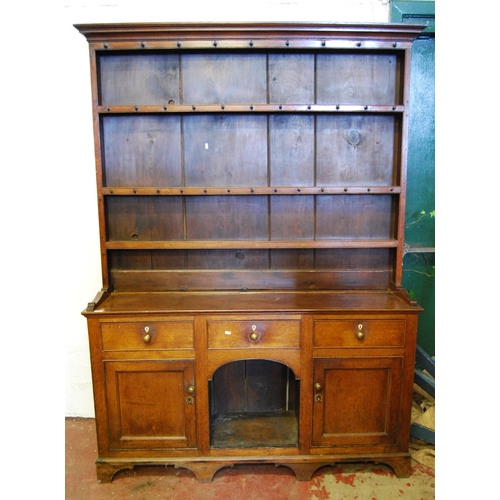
[{"x": 254, "y": 403}]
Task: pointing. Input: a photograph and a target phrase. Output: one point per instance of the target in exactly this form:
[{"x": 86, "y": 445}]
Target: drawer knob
[
  {"x": 255, "y": 334},
  {"x": 190, "y": 389},
  {"x": 360, "y": 335},
  {"x": 318, "y": 386},
  {"x": 147, "y": 338}
]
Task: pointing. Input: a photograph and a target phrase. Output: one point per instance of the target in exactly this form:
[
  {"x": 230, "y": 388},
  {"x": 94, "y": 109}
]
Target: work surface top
[{"x": 265, "y": 302}]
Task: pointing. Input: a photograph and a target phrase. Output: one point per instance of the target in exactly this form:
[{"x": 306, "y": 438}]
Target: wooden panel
[
  {"x": 358, "y": 403},
  {"x": 292, "y": 217},
  {"x": 139, "y": 79},
  {"x": 356, "y": 150},
  {"x": 347, "y": 78},
  {"x": 162, "y": 335},
  {"x": 344, "y": 333},
  {"x": 291, "y": 145},
  {"x": 145, "y": 218},
  {"x": 227, "y": 218},
  {"x": 228, "y": 394},
  {"x": 254, "y": 385},
  {"x": 142, "y": 151},
  {"x": 291, "y": 78},
  {"x": 375, "y": 259},
  {"x": 266, "y": 386},
  {"x": 227, "y": 77},
  {"x": 130, "y": 259},
  {"x": 147, "y": 259},
  {"x": 228, "y": 259},
  {"x": 292, "y": 259},
  {"x": 355, "y": 216},
  {"x": 268, "y": 430},
  {"x": 236, "y": 334},
  {"x": 225, "y": 150},
  {"x": 147, "y": 404},
  {"x": 249, "y": 280}
]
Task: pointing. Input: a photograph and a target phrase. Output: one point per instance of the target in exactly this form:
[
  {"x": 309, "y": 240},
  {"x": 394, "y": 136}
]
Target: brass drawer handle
[
  {"x": 254, "y": 336},
  {"x": 190, "y": 389},
  {"x": 147, "y": 338},
  {"x": 318, "y": 386},
  {"x": 360, "y": 335}
]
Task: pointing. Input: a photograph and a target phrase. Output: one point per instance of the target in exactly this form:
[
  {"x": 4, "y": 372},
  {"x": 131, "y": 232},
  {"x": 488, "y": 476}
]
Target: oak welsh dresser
[{"x": 251, "y": 184}]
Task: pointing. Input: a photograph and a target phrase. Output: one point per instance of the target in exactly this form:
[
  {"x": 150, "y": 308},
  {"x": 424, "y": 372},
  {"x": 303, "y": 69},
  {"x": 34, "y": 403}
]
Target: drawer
[
  {"x": 147, "y": 335},
  {"x": 359, "y": 333},
  {"x": 253, "y": 334}
]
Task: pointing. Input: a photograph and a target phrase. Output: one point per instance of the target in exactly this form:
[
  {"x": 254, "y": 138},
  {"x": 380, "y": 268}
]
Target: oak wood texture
[{"x": 251, "y": 183}]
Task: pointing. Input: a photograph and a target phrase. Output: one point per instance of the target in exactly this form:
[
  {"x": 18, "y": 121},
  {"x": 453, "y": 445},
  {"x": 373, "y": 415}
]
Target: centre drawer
[
  {"x": 359, "y": 332},
  {"x": 147, "y": 335},
  {"x": 227, "y": 334}
]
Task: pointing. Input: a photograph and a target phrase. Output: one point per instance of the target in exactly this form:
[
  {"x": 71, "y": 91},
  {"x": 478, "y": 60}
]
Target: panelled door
[
  {"x": 151, "y": 404},
  {"x": 356, "y": 401}
]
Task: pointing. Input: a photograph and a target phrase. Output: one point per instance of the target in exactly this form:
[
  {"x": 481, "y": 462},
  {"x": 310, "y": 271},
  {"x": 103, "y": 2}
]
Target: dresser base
[{"x": 304, "y": 467}]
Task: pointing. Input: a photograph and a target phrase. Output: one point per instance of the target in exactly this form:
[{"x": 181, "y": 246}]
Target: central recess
[{"x": 254, "y": 404}]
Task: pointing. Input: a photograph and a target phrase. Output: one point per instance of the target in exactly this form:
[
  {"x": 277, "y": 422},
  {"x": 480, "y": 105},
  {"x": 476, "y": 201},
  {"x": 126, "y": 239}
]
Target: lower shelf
[{"x": 255, "y": 430}]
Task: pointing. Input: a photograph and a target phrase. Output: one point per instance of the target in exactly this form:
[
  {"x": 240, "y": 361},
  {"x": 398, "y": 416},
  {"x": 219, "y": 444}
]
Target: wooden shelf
[
  {"x": 251, "y": 108},
  {"x": 238, "y": 190},
  {"x": 249, "y": 244}
]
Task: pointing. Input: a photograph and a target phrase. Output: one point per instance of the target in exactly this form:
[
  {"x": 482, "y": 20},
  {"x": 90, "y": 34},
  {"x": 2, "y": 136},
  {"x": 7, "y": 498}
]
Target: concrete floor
[{"x": 249, "y": 482}]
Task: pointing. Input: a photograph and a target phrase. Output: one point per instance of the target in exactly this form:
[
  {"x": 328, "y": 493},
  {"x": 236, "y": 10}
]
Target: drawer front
[
  {"x": 147, "y": 335},
  {"x": 253, "y": 334},
  {"x": 359, "y": 333}
]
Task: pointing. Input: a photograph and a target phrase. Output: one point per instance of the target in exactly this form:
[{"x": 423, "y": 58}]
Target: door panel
[
  {"x": 356, "y": 401},
  {"x": 149, "y": 404}
]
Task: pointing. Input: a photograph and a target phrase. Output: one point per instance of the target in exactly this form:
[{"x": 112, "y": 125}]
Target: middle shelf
[{"x": 247, "y": 244}]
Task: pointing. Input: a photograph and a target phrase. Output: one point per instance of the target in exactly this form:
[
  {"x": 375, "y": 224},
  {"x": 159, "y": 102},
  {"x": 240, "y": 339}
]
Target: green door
[{"x": 419, "y": 261}]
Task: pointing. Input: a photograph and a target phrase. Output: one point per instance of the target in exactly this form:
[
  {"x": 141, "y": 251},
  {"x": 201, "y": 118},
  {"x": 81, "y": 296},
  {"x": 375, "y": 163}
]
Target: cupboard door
[
  {"x": 151, "y": 404},
  {"x": 356, "y": 401}
]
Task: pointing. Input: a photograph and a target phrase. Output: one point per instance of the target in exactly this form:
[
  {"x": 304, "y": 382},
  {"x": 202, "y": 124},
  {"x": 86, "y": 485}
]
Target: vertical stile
[
  {"x": 99, "y": 164},
  {"x": 403, "y": 169}
]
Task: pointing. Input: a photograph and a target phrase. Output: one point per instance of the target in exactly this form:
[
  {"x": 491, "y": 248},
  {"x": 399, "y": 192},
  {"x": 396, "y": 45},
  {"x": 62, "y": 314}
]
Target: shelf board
[
  {"x": 247, "y": 244},
  {"x": 238, "y": 190},
  {"x": 250, "y": 108}
]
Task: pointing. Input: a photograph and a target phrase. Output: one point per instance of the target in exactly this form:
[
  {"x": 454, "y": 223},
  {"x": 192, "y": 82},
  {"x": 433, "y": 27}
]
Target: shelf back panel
[
  {"x": 322, "y": 269},
  {"x": 230, "y": 77},
  {"x": 245, "y": 150}
]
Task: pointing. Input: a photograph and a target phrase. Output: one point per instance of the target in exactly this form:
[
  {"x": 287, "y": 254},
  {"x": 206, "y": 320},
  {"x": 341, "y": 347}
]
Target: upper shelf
[
  {"x": 241, "y": 190},
  {"x": 249, "y": 108}
]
